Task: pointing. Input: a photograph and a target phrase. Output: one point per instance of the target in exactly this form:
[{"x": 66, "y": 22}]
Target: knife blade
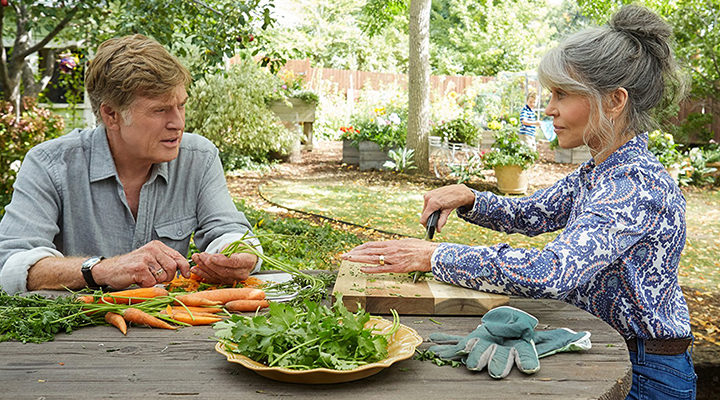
[{"x": 429, "y": 233}]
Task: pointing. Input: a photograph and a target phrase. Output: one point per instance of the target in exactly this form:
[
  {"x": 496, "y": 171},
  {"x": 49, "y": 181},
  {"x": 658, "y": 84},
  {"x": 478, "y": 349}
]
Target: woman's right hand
[{"x": 447, "y": 199}]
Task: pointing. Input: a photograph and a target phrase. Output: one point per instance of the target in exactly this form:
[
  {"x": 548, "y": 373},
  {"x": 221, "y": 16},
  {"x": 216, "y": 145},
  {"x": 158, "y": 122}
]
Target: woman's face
[{"x": 571, "y": 115}]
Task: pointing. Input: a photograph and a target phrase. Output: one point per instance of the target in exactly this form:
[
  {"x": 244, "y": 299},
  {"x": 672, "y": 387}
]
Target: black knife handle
[{"x": 432, "y": 223}]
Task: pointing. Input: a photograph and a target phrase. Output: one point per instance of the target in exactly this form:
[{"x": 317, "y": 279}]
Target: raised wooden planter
[
  {"x": 297, "y": 112},
  {"x": 371, "y": 156},
  {"x": 511, "y": 179},
  {"x": 366, "y": 155},
  {"x": 350, "y": 153},
  {"x": 577, "y": 155}
]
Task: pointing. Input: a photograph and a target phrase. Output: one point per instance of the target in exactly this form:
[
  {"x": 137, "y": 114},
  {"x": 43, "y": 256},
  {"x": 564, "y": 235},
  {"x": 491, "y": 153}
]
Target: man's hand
[
  {"x": 151, "y": 264},
  {"x": 219, "y": 268}
]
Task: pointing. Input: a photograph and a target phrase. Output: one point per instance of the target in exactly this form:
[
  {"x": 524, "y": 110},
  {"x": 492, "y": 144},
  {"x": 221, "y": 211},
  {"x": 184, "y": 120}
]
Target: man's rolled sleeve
[{"x": 13, "y": 275}]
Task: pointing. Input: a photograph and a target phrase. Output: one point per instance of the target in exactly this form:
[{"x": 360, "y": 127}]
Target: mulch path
[{"x": 324, "y": 161}]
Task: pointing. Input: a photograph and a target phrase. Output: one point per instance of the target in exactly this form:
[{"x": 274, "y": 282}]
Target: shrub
[
  {"x": 508, "y": 150},
  {"x": 458, "y": 130},
  {"x": 17, "y": 137},
  {"x": 694, "y": 169},
  {"x": 663, "y": 146},
  {"x": 231, "y": 110}
]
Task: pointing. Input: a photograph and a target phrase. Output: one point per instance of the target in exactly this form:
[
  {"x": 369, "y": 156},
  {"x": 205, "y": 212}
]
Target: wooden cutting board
[{"x": 378, "y": 293}]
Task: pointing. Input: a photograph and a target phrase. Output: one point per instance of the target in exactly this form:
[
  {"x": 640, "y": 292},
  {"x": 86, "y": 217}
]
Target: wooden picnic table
[{"x": 98, "y": 362}]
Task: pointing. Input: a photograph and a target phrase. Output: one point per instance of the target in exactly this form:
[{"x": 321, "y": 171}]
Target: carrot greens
[
  {"x": 316, "y": 337},
  {"x": 37, "y": 319}
]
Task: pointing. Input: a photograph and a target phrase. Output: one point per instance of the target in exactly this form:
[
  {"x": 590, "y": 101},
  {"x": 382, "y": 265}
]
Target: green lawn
[{"x": 395, "y": 207}]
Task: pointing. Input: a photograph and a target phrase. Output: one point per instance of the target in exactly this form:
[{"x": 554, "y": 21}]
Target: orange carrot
[
  {"x": 246, "y": 305},
  {"x": 170, "y": 311},
  {"x": 86, "y": 299},
  {"x": 141, "y": 317},
  {"x": 134, "y": 296},
  {"x": 117, "y": 321},
  {"x": 195, "y": 301},
  {"x": 196, "y": 319},
  {"x": 192, "y": 309},
  {"x": 226, "y": 295}
]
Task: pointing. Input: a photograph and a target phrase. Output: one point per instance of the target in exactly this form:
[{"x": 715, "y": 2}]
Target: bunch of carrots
[{"x": 157, "y": 308}]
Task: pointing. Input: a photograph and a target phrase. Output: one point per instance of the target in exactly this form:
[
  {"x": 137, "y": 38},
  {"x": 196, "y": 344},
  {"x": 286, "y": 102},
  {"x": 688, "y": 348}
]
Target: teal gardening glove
[
  {"x": 504, "y": 337},
  {"x": 561, "y": 340},
  {"x": 507, "y": 335}
]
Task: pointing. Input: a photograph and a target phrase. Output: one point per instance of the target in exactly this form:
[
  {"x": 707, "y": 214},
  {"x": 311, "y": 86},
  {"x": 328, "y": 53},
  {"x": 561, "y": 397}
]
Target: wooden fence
[
  {"x": 705, "y": 107},
  {"x": 351, "y": 82}
]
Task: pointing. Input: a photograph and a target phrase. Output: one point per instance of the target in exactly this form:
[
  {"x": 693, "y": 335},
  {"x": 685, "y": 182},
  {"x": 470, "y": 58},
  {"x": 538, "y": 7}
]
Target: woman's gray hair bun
[{"x": 647, "y": 29}]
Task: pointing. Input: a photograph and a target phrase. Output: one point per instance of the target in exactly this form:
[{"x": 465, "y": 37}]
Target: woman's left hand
[
  {"x": 219, "y": 268},
  {"x": 405, "y": 255}
]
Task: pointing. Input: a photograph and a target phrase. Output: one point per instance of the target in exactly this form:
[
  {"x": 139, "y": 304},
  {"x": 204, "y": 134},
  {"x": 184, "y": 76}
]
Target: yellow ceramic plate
[{"x": 401, "y": 346}]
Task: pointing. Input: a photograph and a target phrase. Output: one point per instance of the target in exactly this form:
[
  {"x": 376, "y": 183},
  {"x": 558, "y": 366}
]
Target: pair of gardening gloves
[{"x": 505, "y": 337}]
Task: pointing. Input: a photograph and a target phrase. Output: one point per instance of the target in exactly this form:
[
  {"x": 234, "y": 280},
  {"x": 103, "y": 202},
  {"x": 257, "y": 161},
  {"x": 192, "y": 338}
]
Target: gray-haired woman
[{"x": 623, "y": 217}]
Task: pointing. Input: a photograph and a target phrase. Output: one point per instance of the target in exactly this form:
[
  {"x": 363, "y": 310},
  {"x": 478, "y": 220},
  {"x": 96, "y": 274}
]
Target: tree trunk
[{"x": 419, "y": 84}]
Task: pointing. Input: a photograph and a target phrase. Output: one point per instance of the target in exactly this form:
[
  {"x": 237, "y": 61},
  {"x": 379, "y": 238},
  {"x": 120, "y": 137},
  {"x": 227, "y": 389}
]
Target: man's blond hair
[{"x": 131, "y": 66}]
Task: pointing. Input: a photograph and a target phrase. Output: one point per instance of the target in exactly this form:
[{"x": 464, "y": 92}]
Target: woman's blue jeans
[{"x": 662, "y": 377}]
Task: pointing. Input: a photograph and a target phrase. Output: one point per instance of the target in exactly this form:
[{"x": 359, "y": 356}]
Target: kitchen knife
[{"x": 429, "y": 233}]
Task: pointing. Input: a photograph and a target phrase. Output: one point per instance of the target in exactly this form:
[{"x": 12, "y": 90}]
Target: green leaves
[
  {"x": 319, "y": 337},
  {"x": 37, "y": 319}
]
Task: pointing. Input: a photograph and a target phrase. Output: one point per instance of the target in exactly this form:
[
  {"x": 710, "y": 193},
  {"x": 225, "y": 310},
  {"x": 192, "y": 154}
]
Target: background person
[
  {"x": 529, "y": 122},
  {"x": 623, "y": 217},
  {"x": 132, "y": 190}
]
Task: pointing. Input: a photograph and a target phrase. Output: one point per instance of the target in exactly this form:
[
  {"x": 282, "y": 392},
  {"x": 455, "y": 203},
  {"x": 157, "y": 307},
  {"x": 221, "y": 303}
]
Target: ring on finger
[
  {"x": 159, "y": 271},
  {"x": 381, "y": 259}
]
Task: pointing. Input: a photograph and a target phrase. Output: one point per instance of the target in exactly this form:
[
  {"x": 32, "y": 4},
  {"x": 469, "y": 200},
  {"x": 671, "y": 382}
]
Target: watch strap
[{"x": 86, "y": 269}]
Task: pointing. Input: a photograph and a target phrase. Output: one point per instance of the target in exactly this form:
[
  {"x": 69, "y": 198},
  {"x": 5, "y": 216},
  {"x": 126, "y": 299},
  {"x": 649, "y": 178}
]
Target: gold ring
[
  {"x": 382, "y": 259},
  {"x": 159, "y": 272}
]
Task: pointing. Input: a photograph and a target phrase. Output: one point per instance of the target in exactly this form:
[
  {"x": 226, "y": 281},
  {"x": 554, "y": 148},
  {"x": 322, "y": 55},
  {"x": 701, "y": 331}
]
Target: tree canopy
[{"x": 218, "y": 28}]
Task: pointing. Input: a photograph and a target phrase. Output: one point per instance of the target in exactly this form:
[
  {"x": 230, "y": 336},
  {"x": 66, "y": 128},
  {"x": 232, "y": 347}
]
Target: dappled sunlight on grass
[{"x": 395, "y": 207}]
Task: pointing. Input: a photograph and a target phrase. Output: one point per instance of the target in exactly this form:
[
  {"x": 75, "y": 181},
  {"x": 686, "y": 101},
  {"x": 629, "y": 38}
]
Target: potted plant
[{"x": 510, "y": 159}]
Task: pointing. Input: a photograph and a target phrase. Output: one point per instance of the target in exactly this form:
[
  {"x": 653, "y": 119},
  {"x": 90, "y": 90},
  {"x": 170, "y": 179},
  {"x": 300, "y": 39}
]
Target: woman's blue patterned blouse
[{"x": 617, "y": 257}]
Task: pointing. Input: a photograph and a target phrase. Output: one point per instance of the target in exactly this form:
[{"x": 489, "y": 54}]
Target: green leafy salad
[{"x": 316, "y": 337}]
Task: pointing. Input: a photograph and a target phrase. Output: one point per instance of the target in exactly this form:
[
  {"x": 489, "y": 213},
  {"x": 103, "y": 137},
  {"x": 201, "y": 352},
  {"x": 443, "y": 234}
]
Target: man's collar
[{"x": 102, "y": 164}]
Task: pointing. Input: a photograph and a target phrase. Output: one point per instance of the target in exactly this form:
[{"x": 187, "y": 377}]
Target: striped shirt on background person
[{"x": 527, "y": 114}]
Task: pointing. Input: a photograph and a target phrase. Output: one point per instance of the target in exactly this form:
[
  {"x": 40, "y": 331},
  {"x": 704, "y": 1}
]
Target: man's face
[{"x": 151, "y": 129}]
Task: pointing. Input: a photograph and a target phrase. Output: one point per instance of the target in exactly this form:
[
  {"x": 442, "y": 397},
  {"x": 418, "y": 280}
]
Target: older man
[{"x": 117, "y": 205}]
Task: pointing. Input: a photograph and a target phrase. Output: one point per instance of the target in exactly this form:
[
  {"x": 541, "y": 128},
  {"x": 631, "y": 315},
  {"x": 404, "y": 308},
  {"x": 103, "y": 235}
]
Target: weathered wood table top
[{"x": 98, "y": 362}]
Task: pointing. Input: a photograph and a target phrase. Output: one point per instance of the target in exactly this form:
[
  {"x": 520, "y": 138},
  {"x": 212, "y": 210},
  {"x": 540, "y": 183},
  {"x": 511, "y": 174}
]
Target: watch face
[{"x": 90, "y": 262}]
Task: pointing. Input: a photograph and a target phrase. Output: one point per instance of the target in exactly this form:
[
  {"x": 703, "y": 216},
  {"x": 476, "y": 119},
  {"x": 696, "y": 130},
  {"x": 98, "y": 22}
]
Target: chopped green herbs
[{"x": 427, "y": 355}]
